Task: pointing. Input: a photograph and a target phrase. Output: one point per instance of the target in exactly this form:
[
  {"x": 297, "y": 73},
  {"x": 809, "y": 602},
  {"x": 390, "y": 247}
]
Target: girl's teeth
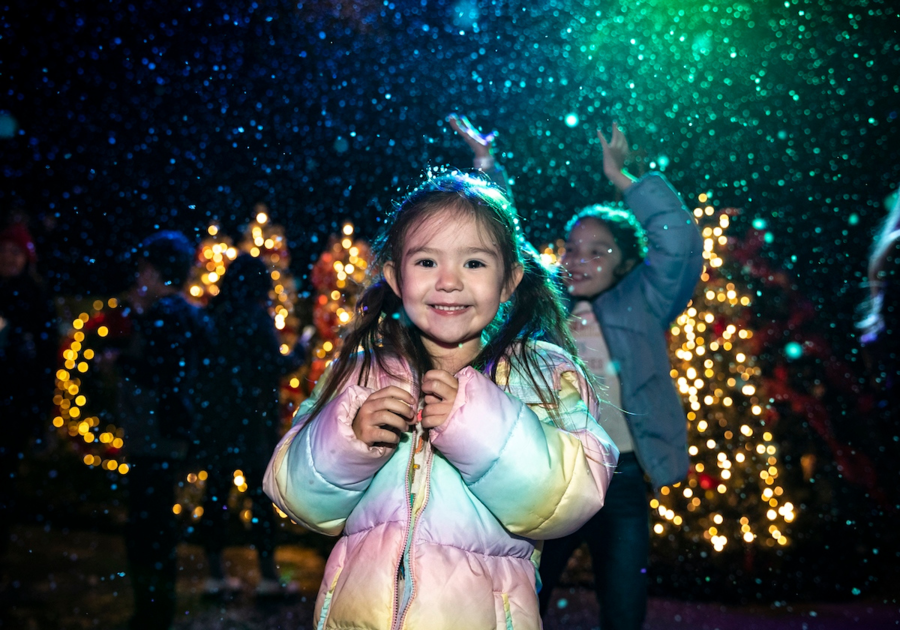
[{"x": 449, "y": 308}]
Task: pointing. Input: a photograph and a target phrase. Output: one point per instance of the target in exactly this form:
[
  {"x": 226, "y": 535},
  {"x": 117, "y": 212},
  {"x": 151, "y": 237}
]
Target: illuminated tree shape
[
  {"x": 338, "y": 278},
  {"x": 214, "y": 255},
  {"x": 82, "y": 412},
  {"x": 732, "y": 493}
]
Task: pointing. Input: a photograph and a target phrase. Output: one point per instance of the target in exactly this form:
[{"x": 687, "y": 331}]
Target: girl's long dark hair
[{"x": 535, "y": 312}]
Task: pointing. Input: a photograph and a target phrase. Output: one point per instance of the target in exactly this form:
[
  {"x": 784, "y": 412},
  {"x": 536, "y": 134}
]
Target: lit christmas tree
[
  {"x": 732, "y": 493},
  {"x": 338, "y": 278}
]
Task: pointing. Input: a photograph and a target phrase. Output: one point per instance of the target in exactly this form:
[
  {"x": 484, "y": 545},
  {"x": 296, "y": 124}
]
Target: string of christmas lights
[{"x": 87, "y": 339}]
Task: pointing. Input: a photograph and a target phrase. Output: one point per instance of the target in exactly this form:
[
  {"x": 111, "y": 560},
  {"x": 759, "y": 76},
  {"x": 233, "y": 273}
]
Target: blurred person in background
[
  {"x": 29, "y": 342},
  {"x": 160, "y": 370},
  {"x": 242, "y": 419}
]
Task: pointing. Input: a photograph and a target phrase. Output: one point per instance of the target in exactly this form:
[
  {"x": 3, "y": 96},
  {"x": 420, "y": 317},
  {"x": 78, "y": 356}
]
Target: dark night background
[
  {"x": 132, "y": 116},
  {"x": 118, "y": 118}
]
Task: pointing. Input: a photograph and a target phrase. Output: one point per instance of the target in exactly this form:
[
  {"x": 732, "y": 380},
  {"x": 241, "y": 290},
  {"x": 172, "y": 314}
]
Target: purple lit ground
[{"x": 62, "y": 580}]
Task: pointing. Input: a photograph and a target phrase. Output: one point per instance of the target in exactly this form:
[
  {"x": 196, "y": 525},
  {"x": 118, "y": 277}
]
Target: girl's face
[
  {"x": 451, "y": 282},
  {"x": 13, "y": 260},
  {"x": 591, "y": 258}
]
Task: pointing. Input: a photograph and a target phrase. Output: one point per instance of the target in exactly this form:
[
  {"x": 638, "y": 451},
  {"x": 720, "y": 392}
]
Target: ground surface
[{"x": 71, "y": 579}]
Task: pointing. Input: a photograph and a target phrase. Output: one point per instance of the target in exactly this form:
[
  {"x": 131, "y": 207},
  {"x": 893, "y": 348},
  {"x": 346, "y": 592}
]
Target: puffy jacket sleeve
[
  {"x": 540, "y": 480},
  {"x": 674, "y": 259},
  {"x": 320, "y": 470}
]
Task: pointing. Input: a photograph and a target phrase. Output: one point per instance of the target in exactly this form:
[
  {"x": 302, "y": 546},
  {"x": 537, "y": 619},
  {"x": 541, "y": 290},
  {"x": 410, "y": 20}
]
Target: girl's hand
[
  {"x": 440, "y": 389},
  {"x": 615, "y": 152},
  {"x": 482, "y": 145},
  {"x": 384, "y": 416}
]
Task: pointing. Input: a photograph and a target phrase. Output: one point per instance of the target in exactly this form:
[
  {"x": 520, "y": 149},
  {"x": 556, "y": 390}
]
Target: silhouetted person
[
  {"x": 160, "y": 370},
  {"x": 242, "y": 423},
  {"x": 29, "y": 342}
]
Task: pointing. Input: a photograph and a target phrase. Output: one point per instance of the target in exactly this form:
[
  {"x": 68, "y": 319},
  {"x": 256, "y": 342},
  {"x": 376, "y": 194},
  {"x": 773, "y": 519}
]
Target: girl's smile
[{"x": 449, "y": 309}]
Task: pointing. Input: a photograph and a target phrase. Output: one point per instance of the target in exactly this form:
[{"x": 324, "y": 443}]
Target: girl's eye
[
  {"x": 474, "y": 264},
  {"x": 425, "y": 262}
]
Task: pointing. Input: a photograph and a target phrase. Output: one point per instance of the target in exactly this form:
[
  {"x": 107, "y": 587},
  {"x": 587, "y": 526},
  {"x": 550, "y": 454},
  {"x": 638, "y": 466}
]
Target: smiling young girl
[{"x": 446, "y": 440}]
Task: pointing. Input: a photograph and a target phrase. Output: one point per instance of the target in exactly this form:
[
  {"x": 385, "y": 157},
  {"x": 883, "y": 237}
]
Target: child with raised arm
[
  {"x": 446, "y": 441},
  {"x": 629, "y": 275}
]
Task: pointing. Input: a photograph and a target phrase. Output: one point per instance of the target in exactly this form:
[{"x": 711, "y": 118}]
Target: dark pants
[
  {"x": 11, "y": 452},
  {"x": 214, "y": 524},
  {"x": 618, "y": 537},
  {"x": 151, "y": 538}
]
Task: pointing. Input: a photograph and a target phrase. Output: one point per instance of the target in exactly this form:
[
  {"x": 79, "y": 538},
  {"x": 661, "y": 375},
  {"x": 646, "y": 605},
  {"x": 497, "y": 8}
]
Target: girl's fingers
[
  {"x": 460, "y": 124},
  {"x": 436, "y": 409},
  {"x": 618, "y": 138},
  {"x": 383, "y": 397},
  {"x": 440, "y": 388},
  {"x": 381, "y": 436},
  {"x": 603, "y": 141},
  {"x": 443, "y": 376},
  {"x": 399, "y": 407},
  {"x": 392, "y": 391},
  {"x": 463, "y": 126},
  {"x": 388, "y": 420},
  {"x": 469, "y": 128},
  {"x": 435, "y": 415},
  {"x": 445, "y": 392}
]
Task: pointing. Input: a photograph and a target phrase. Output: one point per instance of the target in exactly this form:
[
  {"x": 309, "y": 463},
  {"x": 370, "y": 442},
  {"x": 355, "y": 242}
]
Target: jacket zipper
[
  {"x": 412, "y": 523},
  {"x": 409, "y": 516},
  {"x": 429, "y": 453}
]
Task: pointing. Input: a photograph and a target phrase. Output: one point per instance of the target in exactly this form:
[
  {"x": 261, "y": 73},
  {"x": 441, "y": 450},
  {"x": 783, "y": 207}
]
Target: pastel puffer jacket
[{"x": 499, "y": 477}]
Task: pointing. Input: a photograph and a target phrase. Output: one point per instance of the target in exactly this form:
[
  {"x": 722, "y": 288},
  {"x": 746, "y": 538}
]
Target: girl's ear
[
  {"x": 390, "y": 276},
  {"x": 514, "y": 280}
]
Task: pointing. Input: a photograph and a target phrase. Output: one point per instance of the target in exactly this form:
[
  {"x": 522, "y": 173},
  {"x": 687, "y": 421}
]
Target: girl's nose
[{"x": 448, "y": 280}]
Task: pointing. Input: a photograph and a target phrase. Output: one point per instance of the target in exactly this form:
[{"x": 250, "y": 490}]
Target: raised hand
[
  {"x": 615, "y": 152},
  {"x": 482, "y": 145},
  {"x": 384, "y": 416},
  {"x": 440, "y": 389}
]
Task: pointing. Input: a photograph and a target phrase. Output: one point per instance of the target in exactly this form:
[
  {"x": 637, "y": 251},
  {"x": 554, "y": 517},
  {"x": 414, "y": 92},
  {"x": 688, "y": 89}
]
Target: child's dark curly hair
[{"x": 625, "y": 229}]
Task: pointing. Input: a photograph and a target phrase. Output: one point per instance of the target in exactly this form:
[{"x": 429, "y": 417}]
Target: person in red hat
[
  {"x": 16, "y": 251},
  {"x": 29, "y": 341}
]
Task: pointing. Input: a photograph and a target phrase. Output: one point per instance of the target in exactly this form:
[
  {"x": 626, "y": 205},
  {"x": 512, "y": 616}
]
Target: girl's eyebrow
[{"x": 467, "y": 251}]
